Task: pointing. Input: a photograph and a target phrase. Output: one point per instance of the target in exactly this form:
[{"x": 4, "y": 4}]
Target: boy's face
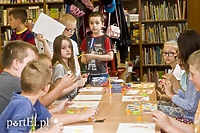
[
  {"x": 95, "y": 25},
  {"x": 66, "y": 49},
  {"x": 70, "y": 29},
  {"x": 195, "y": 76},
  {"x": 13, "y": 22}
]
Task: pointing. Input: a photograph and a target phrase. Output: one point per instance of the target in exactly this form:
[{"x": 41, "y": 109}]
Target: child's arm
[
  {"x": 61, "y": 107},
  {"x": 47, "y": 50},
  {"x": 67, "y": 90},
  {"x": 186, "y": 128},
  {"x": 106, "y": 57},
  {"x": 169, "y": 124},
  {"x": 73, "y": 118},
  {"x": 50, "y": 97}
]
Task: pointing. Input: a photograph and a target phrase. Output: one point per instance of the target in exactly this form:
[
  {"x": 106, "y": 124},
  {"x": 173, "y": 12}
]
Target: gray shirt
[
  {"x": 8, "y": 85},
  {"x": 58, "y": 72}
]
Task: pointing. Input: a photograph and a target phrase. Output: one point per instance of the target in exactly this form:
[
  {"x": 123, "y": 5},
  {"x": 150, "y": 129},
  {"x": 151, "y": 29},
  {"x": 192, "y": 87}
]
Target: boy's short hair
[
  {"x": 15, "y": 50},
  {"x": 96, "y": 14},
  {"x": 67, "y": 17},
  {"x": 35, "y": 77},
  {"x": 194, "y": 59},
  {"x": 19, "y": 13},
  {"x": 42, "y": 56}
]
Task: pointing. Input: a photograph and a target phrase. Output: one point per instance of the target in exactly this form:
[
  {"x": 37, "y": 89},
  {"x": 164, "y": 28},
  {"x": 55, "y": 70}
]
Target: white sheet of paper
[
  {"x": 134, "y": 98},
  {"x": 132, "y": 92},
  {"x": 80, "y": 104},
  {"x": 91, "y": 89},
  {"x": 78, "y": 129},
  {"x": 48, "y": 27},
  {"x": 136, "y": 128},
  {"x": 88, "y": 97}
]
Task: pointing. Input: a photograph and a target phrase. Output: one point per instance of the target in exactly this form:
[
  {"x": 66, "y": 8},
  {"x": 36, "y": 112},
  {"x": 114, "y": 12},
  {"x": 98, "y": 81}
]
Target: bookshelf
[
  {"x": 52, "y": 8},
  {"x": 158, "y": 22}
]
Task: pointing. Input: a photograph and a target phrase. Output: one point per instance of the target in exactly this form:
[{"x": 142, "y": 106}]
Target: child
[
  {"x": 70, "y": 22},
  {"x": 14, "y": 58},
  {"x": 170, "y": 54},
  {"x": 188, "y": 42},
  {"x": 17, "y": 20},
  {"x": 63, "y": 62},
  {"x": 171, "y": 125},
  {"x": 24, "y": 108},
  {"x": 96, "y": 48}
]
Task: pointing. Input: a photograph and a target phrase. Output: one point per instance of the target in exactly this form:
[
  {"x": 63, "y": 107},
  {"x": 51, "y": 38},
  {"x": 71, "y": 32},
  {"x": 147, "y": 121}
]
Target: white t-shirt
[{"x": 178, "y": 72}]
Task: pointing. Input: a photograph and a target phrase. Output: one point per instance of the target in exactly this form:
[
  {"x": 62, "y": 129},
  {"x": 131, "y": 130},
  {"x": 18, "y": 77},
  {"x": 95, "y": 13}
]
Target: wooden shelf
[
  {"x": 164, "y": 21},
  {"x": 156, "y": 65},
  {"x": 21, "y": 4}
]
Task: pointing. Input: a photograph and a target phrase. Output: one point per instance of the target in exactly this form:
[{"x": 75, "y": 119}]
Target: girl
[
  {"x": 170, "y": 53},
  {"x": 63, "y": 62}
]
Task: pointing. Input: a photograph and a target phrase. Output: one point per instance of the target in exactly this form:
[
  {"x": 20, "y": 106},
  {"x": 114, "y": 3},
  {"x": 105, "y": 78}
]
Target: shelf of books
[
  {"x": 159, "y": 21},
  {"x": 53, "y": 8}
]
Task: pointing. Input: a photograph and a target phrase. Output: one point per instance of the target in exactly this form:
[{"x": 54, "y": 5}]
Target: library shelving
[
  {"x": 158, "y": 22},
  {"x": 52, "y": 8}
]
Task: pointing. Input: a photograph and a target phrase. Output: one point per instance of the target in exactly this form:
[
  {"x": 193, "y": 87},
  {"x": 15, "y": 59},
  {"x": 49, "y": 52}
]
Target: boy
[
  {"x": 96, "y": 48},
  {"x": 24, "y": 107},
  {"x": 14, "y": 57},
  {"x": 70, "y": 22},
  {"x": 17, "y": 20}
]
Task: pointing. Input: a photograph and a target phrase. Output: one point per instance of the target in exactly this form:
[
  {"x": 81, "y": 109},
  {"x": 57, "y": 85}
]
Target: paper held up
[{"x": 48, "y": 27}]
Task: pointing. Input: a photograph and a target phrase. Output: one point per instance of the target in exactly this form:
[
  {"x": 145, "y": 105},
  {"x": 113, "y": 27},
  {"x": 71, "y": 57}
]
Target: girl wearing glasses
[{"x": 170, "y": 57}]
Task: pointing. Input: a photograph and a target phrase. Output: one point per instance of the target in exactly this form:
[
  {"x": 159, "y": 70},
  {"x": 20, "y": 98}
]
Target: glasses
[
  {"x": 70, "y": 30},
  {"x": 170, "y": 54}
]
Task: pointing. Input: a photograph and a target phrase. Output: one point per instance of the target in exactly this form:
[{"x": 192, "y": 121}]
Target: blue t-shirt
[{"x": 19, "y": 114}]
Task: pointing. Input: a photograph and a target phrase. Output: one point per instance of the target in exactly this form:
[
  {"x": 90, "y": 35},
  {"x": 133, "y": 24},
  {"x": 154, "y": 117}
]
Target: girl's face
[
  {"x": 66, "y": 49},
  {"x": 95, "y": 25},
  {"x": 169, "y": 53}
]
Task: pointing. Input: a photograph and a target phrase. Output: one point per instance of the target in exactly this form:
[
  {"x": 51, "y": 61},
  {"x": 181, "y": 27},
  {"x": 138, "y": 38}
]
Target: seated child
[{"x": 24, "y": 107}]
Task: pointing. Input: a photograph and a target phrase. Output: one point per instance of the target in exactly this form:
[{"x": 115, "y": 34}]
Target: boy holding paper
[{"x": 17, "y": 19}]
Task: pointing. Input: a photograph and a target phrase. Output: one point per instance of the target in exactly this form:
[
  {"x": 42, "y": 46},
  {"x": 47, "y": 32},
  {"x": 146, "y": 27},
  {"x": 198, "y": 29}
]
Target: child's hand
[
  {"x": 168, "y": 88},
  {"x": 161, "y": 119},
  {"x": 80, "y": 82},
  {"x": 89, "y": 57},
  {"x": 61, "y": 107},
  {"x": 67, "y": 80},
  {"x": 40, "y": 38},
  {"x": 170, "y": 77},
  {"x": 88, "y": 113},
  {"x": 57, "y": 128},
  {"x": 84, "y": 60}
]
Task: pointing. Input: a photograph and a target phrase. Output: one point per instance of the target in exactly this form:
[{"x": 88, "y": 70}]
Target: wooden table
[{"x": 113, "y": 110}]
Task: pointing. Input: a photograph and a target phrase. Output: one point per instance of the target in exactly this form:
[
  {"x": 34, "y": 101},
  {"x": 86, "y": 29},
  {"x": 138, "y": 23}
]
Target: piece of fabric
[
  {"x": 58, "y": 72},
  {"x": 21, "y": 109},
  {"x": 26, "y": 36},
  {"x": 8, "y": 85},
  {"x": 96, "y": 45}
]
